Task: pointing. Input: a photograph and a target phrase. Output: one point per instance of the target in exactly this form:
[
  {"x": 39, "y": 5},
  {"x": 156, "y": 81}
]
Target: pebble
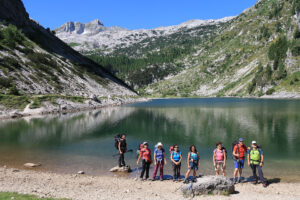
[{"x": 32, "y": 164}]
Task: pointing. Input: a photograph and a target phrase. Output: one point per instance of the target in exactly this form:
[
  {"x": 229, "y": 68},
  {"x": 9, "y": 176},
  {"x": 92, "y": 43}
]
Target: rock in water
[
  {"x": 121, "y": 169},
  {"x": 32, "y": 164},
  {"x": 209, "y": 185}
]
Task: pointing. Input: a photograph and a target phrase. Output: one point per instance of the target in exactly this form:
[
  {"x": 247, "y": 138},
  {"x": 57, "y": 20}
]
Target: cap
[
  {"x": 241, "y": 139},
  {"x": 159, "y": 144},
  {"x": 145, "y": 143},
  {"x": 253, "y": 142}
]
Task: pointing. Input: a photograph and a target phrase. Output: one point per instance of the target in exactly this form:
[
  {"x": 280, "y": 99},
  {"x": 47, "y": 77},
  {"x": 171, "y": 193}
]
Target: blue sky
[{"x": 132, "y": 14}]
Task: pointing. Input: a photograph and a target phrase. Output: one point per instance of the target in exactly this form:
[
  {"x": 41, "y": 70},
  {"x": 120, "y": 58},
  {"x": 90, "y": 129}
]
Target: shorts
[
  {"x": 238, "y": 164},
  {"x": 194, "y": 165},
  {"x": 219, "y": 165}
]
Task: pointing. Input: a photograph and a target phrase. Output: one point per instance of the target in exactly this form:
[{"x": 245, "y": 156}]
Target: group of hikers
[{"x": 254, "y": 155}]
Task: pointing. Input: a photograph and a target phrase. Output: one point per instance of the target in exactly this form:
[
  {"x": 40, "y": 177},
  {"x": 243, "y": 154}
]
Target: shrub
[
  {"x": 5, "y": 82},
  {"x": 269, "y": 72},
  {"x": 11, "y": 36},
  {"x": 297, "y": 33},
  {"x": 270, "y": 91},
  {"x": 13, "y": 90}
]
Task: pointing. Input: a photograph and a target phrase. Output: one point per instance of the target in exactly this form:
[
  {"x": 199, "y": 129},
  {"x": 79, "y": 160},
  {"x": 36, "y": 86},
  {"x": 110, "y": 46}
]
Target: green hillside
[{"x": 255, "y": 54}]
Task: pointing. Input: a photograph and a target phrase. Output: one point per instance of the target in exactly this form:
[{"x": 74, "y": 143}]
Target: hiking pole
[{"x": 117, "y": 154}]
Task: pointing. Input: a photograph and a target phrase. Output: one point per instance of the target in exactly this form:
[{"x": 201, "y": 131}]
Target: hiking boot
[
  {"x": 161, "y": 179},
  {"x": 239, "y": 180},
  {"x": 234, "y": 181},
  {"x": 254, "y": 182},
  {"x": 264, "y": 185},
  {"x": 185, "y": 181},
  {"x": 194, "y": 180},
  {"x": 153, "y": 179},
  {"x": 174, "y": 179}
]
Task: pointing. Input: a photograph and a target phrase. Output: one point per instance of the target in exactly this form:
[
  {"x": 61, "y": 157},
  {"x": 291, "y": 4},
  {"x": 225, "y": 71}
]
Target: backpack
[
  {"x": 117, "y": 140},
  {"x": 171, "y": 148}
]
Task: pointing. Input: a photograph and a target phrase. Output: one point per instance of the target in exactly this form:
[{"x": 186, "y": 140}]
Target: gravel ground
[{"x": 81, "y": 187}]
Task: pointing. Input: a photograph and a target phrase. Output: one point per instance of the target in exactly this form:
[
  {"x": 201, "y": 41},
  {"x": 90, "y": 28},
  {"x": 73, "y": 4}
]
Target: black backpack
[
  {"x": 117, "y": 140},
  {"x": 224, "y": 149}
]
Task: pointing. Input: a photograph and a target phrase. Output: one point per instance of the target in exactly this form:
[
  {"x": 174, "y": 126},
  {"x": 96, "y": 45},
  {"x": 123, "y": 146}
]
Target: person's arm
[
  {"x": 154, "y": 158},
  {"x": 198, "y": 159},
  {"x": 165, "y": 158},
  {"x": 120, "y": 147},
  {"x": 248, "y": 158},
  {"x": 234, "y": 152},
  {"x": 139, "y": 158},
  {"x": 261, "y": 158},
  {"x": 188, "y": 160},
  {"x": 225, "y": 156},
  {"x": 180, "y": 159},
  {"x": 171, "y": 158},
  {"x": 214, "y": 159}
]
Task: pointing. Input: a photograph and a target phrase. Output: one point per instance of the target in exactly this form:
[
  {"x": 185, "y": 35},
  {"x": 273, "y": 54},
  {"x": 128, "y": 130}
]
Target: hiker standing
[
  {"x": 145, "y": 154},
  {"x": 256, "y": 160},
  {"x": 122, "y": 147},
  {"x": 159, "y": 160},
  {"x": 193, "y": 162},
  {"x": 239, "y": 152},
  {"x": 176, "y": 158},
  {"x": 219, "y": 159}
]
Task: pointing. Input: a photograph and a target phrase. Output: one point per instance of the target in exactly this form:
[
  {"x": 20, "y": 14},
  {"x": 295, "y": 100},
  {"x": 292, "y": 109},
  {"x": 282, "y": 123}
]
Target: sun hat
[
  {"x": 159, "y": 144},
  {"x": 241, "y": 139}
]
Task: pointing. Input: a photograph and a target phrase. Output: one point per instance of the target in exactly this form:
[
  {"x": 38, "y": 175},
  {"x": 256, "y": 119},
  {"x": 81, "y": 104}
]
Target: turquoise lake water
[{"x": 67, "y": 143}]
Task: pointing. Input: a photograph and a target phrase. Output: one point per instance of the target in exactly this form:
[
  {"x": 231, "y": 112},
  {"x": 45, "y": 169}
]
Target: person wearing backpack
[
  {"x": 145, "y": 154},
  {"x": 193, "y": 162},
  {"x": 239, "y": 152},
  {"x": 256, "y": 160},
  {"x": 159, "y": 160},
  {"x": 176, "y": 158},
  {"x": 122, "y": 147},
  {"x": 219, "y": 159}
]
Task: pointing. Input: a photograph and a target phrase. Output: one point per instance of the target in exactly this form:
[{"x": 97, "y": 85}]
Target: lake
[{"x": 67, "y": 143}]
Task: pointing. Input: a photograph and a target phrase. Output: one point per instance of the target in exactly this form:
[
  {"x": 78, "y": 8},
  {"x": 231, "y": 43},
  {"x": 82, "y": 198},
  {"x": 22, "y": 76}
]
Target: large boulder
[
  {"x": 209, "y": 185},
  {"x": 126, "y": 169}
]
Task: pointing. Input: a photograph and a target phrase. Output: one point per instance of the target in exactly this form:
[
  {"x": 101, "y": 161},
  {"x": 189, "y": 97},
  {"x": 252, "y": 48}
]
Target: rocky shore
[
  {"x": 85, "y": 187},
  {"x": 65, "y": 106}
]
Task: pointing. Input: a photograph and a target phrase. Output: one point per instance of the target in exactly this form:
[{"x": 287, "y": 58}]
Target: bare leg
[{"x": 187, "y": 173}]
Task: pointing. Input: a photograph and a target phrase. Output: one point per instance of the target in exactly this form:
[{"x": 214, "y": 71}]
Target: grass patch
[
  {"x": 13, "y": 101},
  {"x": 38, "y": 100},
  {"x": 73, "y": 44},
  {"x": 16, "y": 196}
]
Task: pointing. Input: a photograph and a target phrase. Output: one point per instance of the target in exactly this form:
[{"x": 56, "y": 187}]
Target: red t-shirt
[
  {"x": 242, "y": 150},
  {"x": 146, "y": 154}
]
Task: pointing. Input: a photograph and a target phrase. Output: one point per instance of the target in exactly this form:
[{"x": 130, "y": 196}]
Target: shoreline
[
  {"x": 81, "y": 187},
  {"x": 48, "y": 109},
  {"x": 65, "y": 106}
]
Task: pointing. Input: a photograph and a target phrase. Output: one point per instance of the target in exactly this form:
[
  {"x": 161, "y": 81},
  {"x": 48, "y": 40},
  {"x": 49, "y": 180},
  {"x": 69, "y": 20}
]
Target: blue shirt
[
  {"x": 176, "y": 155},
  {"x": 159, "y": 154},
  {"x": 194, "y": 156}
]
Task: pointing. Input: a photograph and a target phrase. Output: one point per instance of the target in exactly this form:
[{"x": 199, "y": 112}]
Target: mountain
[
  {"x": 253, "y": 54},
  {"x": 94, "y": 35},
  {"x": 141, "y": 57},
  {"x": 33, "y": 61}
]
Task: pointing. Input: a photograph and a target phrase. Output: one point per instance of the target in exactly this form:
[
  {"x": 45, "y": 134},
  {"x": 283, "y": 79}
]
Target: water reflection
[{"x": 86, "y": 139}]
